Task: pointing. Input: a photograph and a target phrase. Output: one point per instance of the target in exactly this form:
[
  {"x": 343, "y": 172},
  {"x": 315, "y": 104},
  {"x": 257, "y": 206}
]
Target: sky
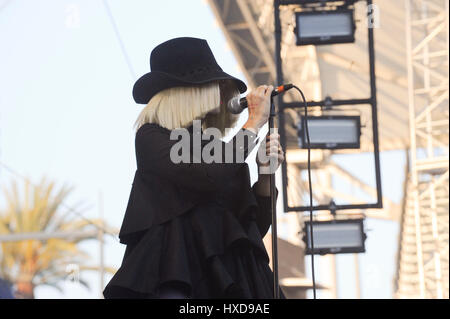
[{"x": 66, "y": 113}]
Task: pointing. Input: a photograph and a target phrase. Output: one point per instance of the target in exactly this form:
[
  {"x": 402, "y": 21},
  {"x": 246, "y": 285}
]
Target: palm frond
[{"x": 39, "y": 209}]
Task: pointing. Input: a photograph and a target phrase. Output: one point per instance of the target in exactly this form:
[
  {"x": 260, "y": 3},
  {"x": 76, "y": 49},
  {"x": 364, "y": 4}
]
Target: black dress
[{"x": 196, "y": 224}]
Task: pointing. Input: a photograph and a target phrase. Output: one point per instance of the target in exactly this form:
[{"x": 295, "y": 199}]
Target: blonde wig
[{"x": 179, "y": 106}]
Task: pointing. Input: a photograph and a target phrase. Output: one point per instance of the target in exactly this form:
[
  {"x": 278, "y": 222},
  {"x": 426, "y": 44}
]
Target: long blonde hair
[{"x": 179, "y": 106}]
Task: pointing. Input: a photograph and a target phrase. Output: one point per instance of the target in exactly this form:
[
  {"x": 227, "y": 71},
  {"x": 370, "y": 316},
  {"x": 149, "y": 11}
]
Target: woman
[{"x": 194, "y": 229}]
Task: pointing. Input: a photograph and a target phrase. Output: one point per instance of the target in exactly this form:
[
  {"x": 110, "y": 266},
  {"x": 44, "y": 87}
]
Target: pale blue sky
[{"x": 66, "y": 112}]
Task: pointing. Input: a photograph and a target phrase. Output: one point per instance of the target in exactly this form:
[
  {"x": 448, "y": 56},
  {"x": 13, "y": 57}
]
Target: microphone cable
[{"x": 310, "y": 190}]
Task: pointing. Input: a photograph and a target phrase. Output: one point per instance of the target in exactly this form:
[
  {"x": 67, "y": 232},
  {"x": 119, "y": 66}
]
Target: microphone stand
[{"x": 276, "y": 290}]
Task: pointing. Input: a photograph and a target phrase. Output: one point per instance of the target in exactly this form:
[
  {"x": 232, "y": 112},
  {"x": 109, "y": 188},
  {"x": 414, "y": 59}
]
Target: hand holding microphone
[
  {"x": 258, "y": 107},
  {"x": 258, "y": 103}
]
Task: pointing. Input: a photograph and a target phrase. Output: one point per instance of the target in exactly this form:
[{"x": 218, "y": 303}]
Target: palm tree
[{"x": 29, "y": 263}]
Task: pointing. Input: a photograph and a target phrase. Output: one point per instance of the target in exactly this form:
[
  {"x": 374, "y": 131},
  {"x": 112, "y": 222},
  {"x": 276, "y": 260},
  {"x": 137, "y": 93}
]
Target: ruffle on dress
[{"x": 207, "y": 249}]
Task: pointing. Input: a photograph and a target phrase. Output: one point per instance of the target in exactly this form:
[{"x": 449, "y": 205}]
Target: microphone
[{"x": 236, "y": 105}]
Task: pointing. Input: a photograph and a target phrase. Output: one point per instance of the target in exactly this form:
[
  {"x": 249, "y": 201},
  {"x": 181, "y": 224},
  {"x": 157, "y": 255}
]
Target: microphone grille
[{"x": 234, "y": 106}]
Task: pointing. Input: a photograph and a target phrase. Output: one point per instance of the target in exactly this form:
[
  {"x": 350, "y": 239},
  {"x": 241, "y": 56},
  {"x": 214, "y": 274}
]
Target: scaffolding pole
[{"x": 423, "y": 270}]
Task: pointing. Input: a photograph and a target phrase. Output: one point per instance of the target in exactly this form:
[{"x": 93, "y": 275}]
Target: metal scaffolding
[
  {"x": 248, "y": 27},
  {"x": 424, "y": 240}
]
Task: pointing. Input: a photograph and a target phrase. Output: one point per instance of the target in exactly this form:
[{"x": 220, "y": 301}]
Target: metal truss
[
  {"x": 423, "y": 257},
  {"x": 248, "y": 27}
]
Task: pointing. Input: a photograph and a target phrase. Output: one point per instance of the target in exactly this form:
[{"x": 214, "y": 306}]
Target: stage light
[
  {"x": 325, "y": 27},
  {"x": 331, "y": 132},
  {"x": 335, "y": 236}
]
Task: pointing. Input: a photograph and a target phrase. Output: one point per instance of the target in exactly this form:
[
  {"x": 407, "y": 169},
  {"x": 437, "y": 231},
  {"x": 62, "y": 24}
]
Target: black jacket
[{"x": 162, "y": 190}]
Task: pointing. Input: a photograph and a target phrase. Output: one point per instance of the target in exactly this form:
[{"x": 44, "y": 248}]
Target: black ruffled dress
[{"x": 210, "y": 241}]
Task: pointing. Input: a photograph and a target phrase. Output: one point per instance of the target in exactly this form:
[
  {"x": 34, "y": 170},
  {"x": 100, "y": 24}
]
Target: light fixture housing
[
  {"x": 319, "y": 27},
  {"x": 337, "y": 236},
  {"x": 330, "y": 132}
]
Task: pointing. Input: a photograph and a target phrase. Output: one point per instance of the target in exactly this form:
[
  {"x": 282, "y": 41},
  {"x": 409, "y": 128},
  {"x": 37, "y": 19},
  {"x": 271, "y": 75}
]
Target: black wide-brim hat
[{"x": 180, "y": 62}]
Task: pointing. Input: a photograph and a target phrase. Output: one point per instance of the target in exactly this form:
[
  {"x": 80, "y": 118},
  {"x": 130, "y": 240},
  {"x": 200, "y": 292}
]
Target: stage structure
[
  {"x": 341, "y": 72},
  {"x": 329, "y": 106},
  {"x": 424, "y": 243}
]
